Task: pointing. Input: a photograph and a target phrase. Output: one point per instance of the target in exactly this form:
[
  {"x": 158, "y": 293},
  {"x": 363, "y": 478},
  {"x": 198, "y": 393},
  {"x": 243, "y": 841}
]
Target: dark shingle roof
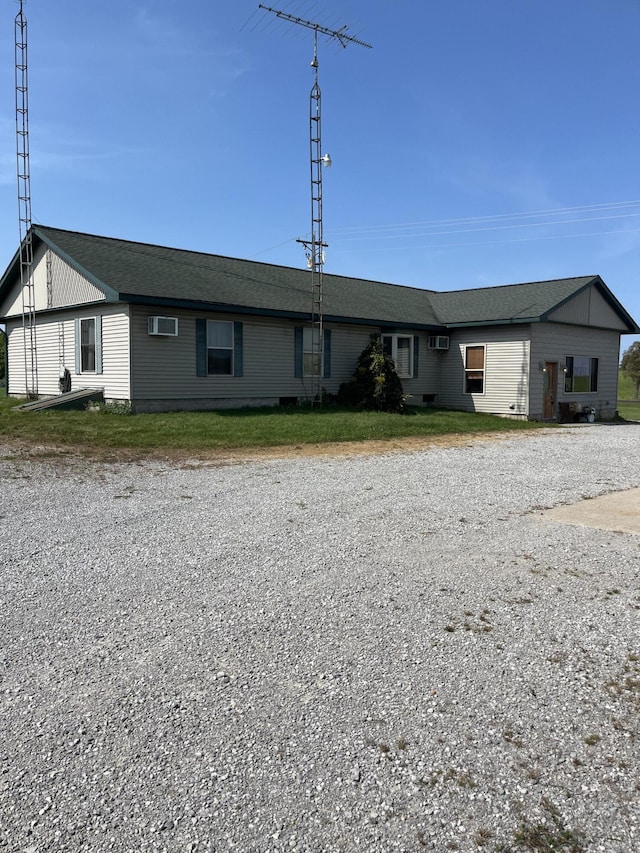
[
  {"x": 507, "y": 303},
  {"x": 142, "y": 272},
  {"x": 161, "y": 276}
]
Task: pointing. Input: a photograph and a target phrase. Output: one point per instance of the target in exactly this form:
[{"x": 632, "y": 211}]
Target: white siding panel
[
  {"x": 13, "y": 303},
  {"x": 55, "y": 285},
  {"x": 68, "y": 287},
  {"x": 15, "y": 359},
  {"x": 48, "y": 364},
  {"x": 116, "y": 361},
  {"x": 55, "y": 339},
  {"x": 553, "y": 342},
  {"x": 506, "y": 385}
]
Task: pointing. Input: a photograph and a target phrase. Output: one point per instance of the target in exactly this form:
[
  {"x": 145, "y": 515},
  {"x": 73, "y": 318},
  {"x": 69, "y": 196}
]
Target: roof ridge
[
  {"x": 228, "y": 257},
  {"x": 517, "y": 284}
]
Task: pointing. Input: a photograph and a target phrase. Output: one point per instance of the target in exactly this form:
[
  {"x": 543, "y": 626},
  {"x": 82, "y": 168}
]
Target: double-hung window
[
  {"x": 400, "y": 348},
  {"x": 581, "y": 374},
  {"x": 307, "y": 358},
  {"x": 88, "y": 344},
  {"x": 220, "y": 347},
  {"x": 311, "y": 357},
  {"x": 474, "y": 357}
]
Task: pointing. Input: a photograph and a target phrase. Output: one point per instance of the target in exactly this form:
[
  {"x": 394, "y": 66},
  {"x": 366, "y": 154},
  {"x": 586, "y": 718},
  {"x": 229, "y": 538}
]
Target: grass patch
[
  {"x": 626, "y": 387},
  {"x": 551, "y": 835},
  {"x": 629, "y": 411},
  {"x": 238, "y": 428}
]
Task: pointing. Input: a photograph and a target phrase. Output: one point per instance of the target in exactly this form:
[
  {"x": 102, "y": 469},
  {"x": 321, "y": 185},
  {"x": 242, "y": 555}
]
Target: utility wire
[
  {"x": 440, "y": 223},
  {"x": 341, "y": 236},
  {"x": 271, "y": 248},
  {"x": 505, "y": 227},
  {"x": 494, "y": 242}
]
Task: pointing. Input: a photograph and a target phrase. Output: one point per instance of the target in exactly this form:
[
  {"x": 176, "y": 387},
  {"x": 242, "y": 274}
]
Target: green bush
[{"x": 375, "y": 384}]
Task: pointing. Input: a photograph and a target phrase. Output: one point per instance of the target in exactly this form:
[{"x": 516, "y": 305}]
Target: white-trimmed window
[
  {"x": 311, "y": 358},
  {"x": 88, "y": 344},
  {"x": 581, "y": 374},
  {"x": 474, "y": 358},
  {"x": 400, "y": 348},
  {"x": 220, "y": 347}
]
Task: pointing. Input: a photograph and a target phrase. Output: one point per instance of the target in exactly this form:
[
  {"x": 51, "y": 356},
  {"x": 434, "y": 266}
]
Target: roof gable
[
  {"x": 508, "y": 303},
  {"x": 532, "y": 302}
]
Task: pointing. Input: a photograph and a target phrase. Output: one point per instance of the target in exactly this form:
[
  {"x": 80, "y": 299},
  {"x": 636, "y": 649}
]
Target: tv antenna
[
  {"x": 24, "y": 207},
  {"x": 315, "y": 246}
]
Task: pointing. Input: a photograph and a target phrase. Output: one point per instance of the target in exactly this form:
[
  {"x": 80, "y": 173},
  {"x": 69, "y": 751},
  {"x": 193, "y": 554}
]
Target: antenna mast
[
  {"x": 315, "y": 246},
  {"x": 24, "y": 208}
]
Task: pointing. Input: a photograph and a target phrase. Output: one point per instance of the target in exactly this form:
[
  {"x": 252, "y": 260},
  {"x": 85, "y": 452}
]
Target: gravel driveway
[{"x": 381, "y": 653}]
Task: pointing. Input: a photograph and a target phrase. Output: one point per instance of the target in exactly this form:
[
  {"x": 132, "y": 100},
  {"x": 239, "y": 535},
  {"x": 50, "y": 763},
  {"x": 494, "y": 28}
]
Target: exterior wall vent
[
  {"x": 163, "y": 326},
  {"x": 440, "y": 342}
]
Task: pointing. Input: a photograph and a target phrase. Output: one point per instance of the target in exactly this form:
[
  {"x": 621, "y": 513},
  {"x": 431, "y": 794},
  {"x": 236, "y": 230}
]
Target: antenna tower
[
  {"x": 24, "y": 208},
  {"x": 315, "y": 246}
]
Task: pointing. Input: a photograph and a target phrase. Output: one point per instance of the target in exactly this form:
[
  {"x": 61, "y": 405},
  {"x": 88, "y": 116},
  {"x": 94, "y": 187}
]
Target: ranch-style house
[{"x": 165, "y": 329}]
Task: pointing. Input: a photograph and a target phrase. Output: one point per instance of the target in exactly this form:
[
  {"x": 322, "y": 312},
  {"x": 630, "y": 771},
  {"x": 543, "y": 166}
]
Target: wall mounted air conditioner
[
  {"x": 163, "y": 326},
  {"x": 439, "y": 342}
]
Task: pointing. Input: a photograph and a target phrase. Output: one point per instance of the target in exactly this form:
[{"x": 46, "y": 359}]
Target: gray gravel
[{"x": 379, "y": 653}]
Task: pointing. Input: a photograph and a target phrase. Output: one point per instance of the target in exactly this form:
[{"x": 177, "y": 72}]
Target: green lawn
[
  {"x": 626, "y": 387},
  {"x": 627, "y": 391},
  {"x": 223, "y": 430},
  {"x": 629, "y": 411},
  {"x": 242, "y": 428}
]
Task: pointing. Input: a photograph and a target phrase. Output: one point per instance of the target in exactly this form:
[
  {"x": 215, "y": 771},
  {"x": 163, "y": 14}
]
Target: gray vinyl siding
[
  {"x": 56, "y": 345},
  {"x": 553, "y": 342},
  {"x": 347, "y": 342},
  {"x": 506, "y": 371},
  {"x": 164, "y": 368},
  {"x": 589, "y": 309},
  {"x": 65, "y": 286},
  {"x": 426, "y": 373}
]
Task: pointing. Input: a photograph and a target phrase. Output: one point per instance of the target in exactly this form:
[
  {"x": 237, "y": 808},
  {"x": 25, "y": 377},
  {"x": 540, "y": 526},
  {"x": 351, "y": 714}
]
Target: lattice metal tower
[
  {"x": 24, "y": 207},
  {"x": 315, "y": 246}
]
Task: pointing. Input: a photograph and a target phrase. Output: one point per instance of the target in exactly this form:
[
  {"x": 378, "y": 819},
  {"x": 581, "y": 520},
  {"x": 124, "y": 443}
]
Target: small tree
[
  {"x": 630, "y": 364},
  {"x": 375, "y": 383}
]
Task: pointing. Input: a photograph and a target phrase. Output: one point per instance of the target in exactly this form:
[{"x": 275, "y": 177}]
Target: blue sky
[{"x": 477, "y": 143}]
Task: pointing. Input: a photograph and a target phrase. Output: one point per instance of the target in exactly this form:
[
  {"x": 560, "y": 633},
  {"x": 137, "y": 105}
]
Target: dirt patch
[
  {"x": 410, "y": 444},
  {"x": 239, "y": 455}
]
